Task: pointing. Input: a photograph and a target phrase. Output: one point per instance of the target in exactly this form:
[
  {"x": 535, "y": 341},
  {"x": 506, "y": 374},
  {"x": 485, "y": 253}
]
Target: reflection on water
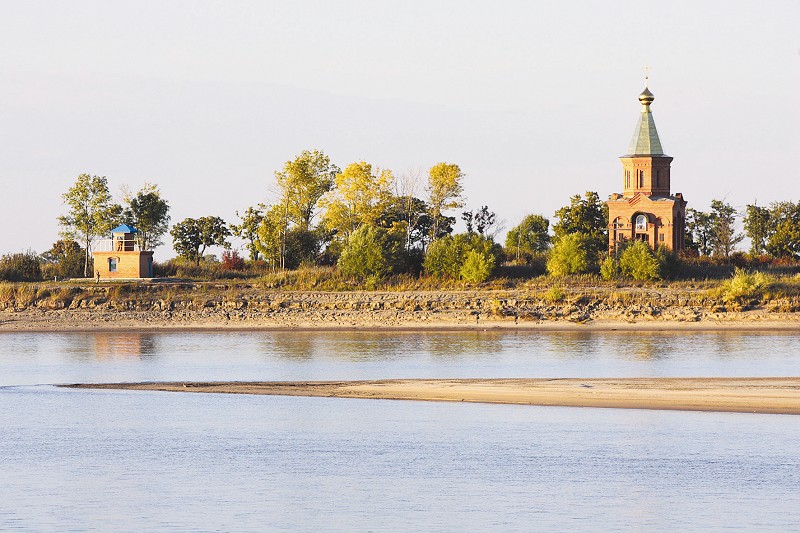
[
  {"x": 33, "y": 358},
  {"x": 123, "y": 344}
]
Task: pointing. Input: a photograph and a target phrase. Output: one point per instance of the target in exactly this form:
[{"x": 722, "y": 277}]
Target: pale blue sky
[{"x": 534, "y": 100}]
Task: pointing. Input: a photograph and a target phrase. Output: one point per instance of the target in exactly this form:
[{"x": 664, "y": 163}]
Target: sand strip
[{"x": 745, "y": 395}]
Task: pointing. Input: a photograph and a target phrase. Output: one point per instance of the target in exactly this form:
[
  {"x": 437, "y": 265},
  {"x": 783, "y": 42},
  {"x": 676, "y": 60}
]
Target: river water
[{"x": 135, "y": 461}]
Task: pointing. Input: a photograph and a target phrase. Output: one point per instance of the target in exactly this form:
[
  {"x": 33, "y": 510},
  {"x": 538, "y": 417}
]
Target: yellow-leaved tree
[
  {"x": 358, "y": 198},
  {"x": 444, "y": 192}
]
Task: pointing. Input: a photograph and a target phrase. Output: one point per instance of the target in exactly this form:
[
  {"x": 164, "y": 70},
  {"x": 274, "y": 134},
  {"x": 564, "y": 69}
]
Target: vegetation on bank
[{"x": 365, "y": 227}]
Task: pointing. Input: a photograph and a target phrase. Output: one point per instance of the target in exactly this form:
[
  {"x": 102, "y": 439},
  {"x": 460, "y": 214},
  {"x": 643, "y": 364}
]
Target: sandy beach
[{"x": 744, "y": 395}]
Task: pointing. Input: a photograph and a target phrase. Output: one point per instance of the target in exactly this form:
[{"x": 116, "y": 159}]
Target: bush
[
  {"x": 371, "y": 252},
  {"x": 609, "y": 268},
  {"x": 570, "y": 255},
  {"x": 745, "y": 286},
  {"x": 477, "y": 267},
  {"x": 25, "y": 266},
  {"x": 232, "y": 261},
  {"x": 639, "y": 262},
  {"x": 446, "y": 257}
]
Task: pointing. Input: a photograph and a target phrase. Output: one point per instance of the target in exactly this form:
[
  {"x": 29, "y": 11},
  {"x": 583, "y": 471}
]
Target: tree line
[{"x": 372, "y": 224}]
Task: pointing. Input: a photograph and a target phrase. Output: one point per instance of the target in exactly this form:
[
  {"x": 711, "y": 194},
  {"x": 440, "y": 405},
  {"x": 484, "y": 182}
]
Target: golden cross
[{"x": 646, "y": 70}]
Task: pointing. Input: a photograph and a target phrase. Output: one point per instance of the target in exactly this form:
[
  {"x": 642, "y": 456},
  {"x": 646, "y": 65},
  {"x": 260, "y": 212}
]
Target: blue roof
[{"x": 124, "y": 228}]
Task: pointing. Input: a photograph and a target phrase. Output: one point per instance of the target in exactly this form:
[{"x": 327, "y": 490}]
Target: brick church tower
[{"x": 646, "y": 210}]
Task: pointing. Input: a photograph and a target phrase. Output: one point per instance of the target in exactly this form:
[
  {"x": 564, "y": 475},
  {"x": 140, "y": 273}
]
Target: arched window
[
  {"x": 641, "y": 223},
  {"x": 641, "y": 179}
]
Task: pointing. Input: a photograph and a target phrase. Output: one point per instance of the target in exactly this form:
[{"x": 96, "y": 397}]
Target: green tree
[
  {"x": 639, "y": 262},
  {"x": 26, "y": 266},
  {"x": 149, "y": 214},
  {"x": 724, "y": 237},
  {"x": 92, "y": 213},
  {"x": 411, "y": 216},
  {"x": 587, "y": 216},
  {"x": 570, "y": 255},
  {"x": 67, "y": 256},
  {"x": 303, "y": 182},
  {"x": 529, "y": 237},
  {"x": 758, "y": 226},
  {"x": 248, "y": 229},
  {"x": 359, "y": 198},
  {"x": 785, "y": 238},
  {"x": 192, "y": 236},
  {"x": 700, "y": 227},
  {"x": 371, "y": 252},
  {"x": 445, "y": 191}
]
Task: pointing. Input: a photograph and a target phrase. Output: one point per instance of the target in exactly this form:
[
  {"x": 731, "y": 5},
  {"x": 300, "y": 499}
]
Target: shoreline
[
  {"x": 599, "y": 326},
  {"x": 771, "y": 395}
]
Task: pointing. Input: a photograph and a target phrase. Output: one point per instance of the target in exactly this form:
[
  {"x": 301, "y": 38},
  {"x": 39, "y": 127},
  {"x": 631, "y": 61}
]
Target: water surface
[{"x": 133, "y": 461}]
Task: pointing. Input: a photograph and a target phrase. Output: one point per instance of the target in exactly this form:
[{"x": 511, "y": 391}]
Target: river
[{"x": 133, "y": 461}]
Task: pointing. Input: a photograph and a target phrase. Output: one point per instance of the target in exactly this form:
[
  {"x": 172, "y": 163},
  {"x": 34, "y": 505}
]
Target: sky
[{"x": 534, "y": 100}]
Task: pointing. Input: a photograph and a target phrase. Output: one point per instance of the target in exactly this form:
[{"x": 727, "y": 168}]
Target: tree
[
  {"x": 25, "y": 266},
  {"x": 283, "y": 248},
  {"x": 67, "y": 255},
  {"x": 91, "y": 213},
  {"x": 269, "y": 236},
  {"x": 444, "y": 192},
  {"x": 371, "y": 252},
  {"x": 570, "y": 255},
  {"x": 758, "y": 226},
  {"x": 484, "y": 222},
  {"x": 785, "y": 238},
  {"x": 639, "y": 262},
  {"x": 359, "y": 198},
  {"x": 248, "y": 229},
  {"x": 192, "y": 236},
  {"x": 303, "y": 182},
  {"x": 529, "y": 237},
  {"x": 149, "y": 214},
  {"x": 587, "y": 216},
  {"x": 699, "y": 226},
  {"x": 723, "y": 232},
  {"x": 411, "y": 216}
]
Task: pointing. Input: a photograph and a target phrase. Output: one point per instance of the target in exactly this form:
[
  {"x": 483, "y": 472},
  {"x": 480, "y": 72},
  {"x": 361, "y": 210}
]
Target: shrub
[
  {"x": 554, "y": 295},
  {"x": 447, "y": 256},
  {"x": 25, "y": 266},
  {"x": 371, "y": 252},
  {"x": 570, "y": 255},
  {"x": 609, "y": 268},
  {"x": 744, "y": 286},
  {"x": 477, "y": 267},
  {"x": 232, "y": 261},
  {"x": 639, "y": 262}
]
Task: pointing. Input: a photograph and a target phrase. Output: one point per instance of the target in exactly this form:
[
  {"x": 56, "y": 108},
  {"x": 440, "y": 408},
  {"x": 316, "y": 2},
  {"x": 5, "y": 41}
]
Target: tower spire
[{"x": 645, "y": 137}]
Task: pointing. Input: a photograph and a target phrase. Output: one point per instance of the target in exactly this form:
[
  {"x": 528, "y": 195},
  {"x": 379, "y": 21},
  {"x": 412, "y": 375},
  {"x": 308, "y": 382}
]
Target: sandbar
[{"x": 775, "y": 395}]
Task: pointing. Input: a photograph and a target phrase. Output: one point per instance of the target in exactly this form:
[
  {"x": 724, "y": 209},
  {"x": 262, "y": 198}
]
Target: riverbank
[
  {"x": 187, "y": 306},
  {"x": 743, "y": 395}
]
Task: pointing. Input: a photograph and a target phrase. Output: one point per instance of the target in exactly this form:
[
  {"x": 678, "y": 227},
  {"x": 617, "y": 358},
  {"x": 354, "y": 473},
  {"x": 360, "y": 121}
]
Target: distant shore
[{"x": 742, "y": 395}]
